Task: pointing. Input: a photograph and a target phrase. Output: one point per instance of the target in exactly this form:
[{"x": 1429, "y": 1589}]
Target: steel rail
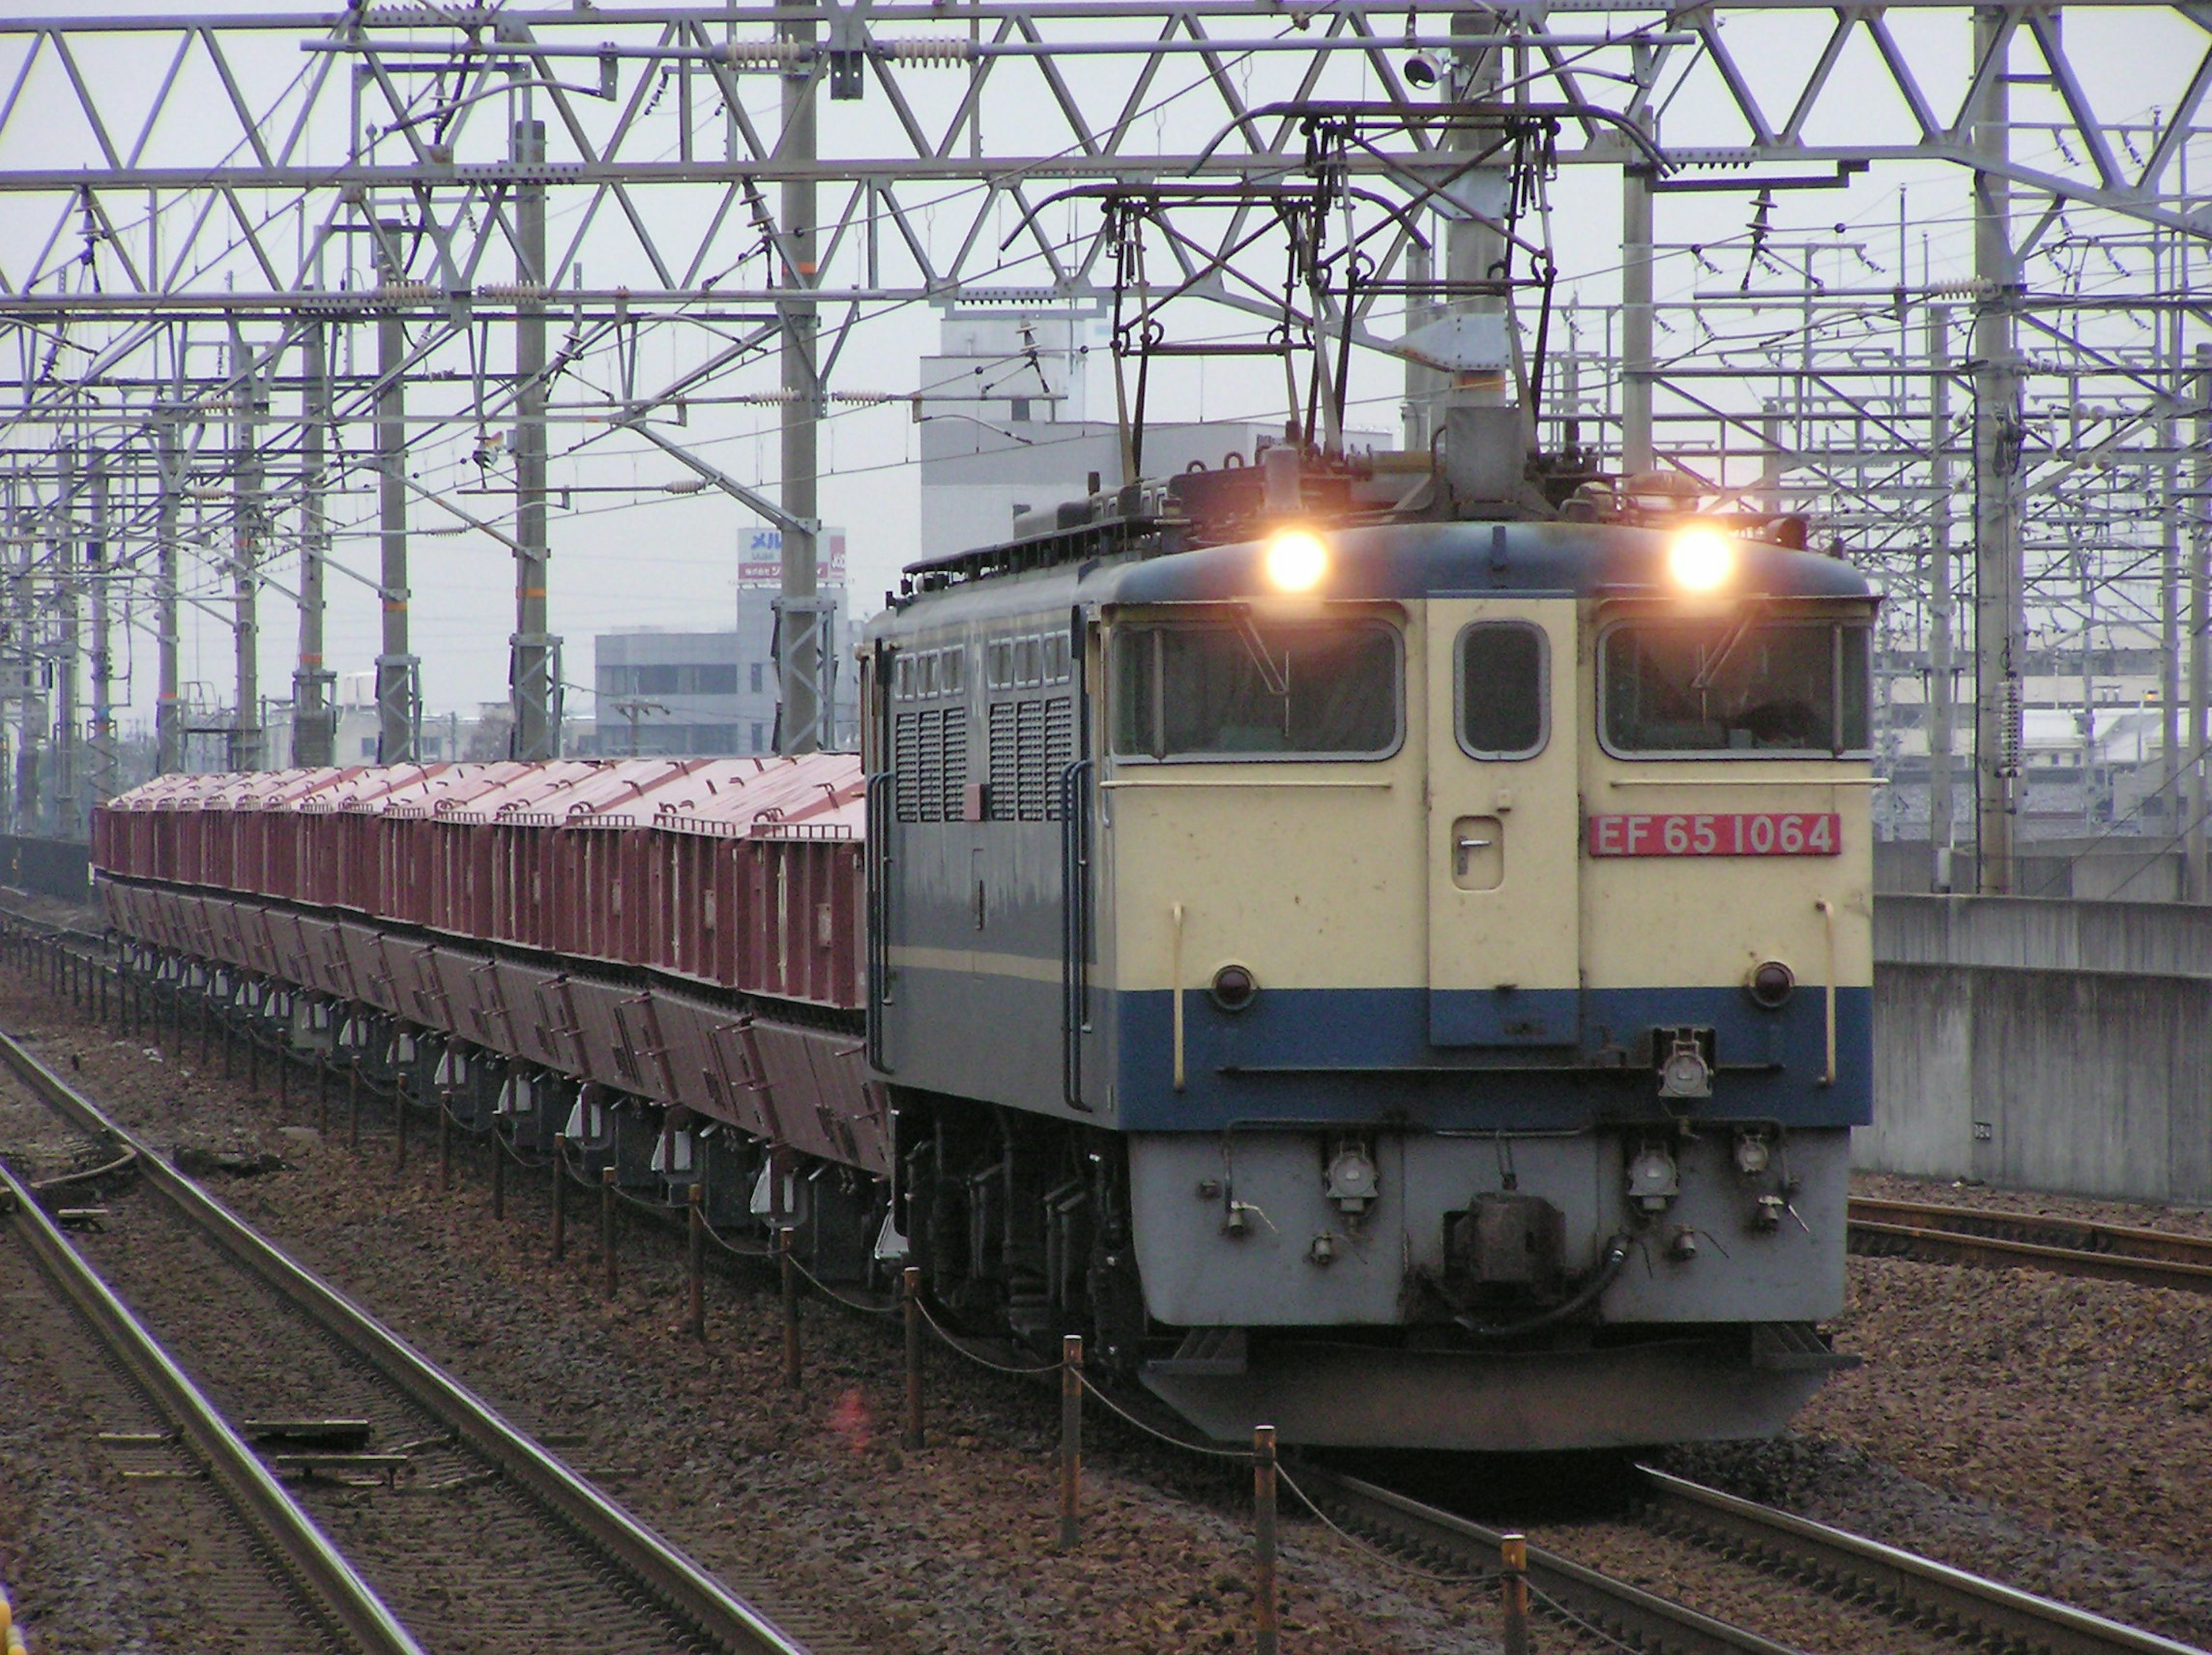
[
  {"x": 1987, "y": 1610},
  {"x": 2088, "y": 1234},
  {"x": 652, "y": 1561},
  {"x": 303, "y": 1553},
  {"x": 1642, "y": 1618},
  {"x": 2109, "y": 1252}
]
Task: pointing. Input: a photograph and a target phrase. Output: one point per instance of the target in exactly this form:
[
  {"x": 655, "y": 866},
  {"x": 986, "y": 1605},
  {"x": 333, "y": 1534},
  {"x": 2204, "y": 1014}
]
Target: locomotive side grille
[
  {"x": 1004, "y": 768},
  {"x": 929, "y": 765},
  {"x": 906, "y": 760},
  {"x": 929, "y": 756},
  {"x": 1030, "y": 739},
  {"x": 954, "y": 727},
  {"x": 1058, "y": 749}
]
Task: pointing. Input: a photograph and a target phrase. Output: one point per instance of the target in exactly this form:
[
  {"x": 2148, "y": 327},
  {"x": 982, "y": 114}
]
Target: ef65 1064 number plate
[{"x": 1760, "y": 833}]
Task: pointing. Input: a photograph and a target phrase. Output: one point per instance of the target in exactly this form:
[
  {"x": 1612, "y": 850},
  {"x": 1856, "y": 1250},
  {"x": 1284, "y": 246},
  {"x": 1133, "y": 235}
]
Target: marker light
[
  {"x": 1297, "y": 560},
  {"x": 1700, "y": 560}
]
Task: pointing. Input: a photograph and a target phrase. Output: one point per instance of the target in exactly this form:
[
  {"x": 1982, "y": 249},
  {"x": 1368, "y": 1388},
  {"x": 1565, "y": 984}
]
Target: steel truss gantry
[{"x": 255, "y": 267}]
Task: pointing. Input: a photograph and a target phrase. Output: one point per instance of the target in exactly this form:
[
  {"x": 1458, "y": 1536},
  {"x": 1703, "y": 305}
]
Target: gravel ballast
[
  {"x": 801, "y": 1500},
  {"x": 2051, "y": 1431},
  {"x": 2047, "y": 1430}
]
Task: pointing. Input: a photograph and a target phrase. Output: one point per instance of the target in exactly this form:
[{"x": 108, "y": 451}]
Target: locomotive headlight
[
  {"x": 1234, "y": 988},
  {"x": 1701, "y": 559},
  {"x": 1296, "y": 561},
  {"x": 1770, "y": 983}
]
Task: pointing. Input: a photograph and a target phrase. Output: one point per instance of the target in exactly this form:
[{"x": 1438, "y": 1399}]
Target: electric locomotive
[{"x": 1396, "y": 971}]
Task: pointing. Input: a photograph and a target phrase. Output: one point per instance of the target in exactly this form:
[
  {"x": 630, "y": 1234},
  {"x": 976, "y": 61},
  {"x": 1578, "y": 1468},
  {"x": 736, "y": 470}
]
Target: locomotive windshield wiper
[
  {"x": 1711, "y": 669},
  {"x": 1277, "y": 679}
]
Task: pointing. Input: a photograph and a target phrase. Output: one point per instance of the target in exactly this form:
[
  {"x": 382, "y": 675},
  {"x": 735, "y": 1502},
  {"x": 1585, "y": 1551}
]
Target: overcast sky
[{"x": 651, "y": 558}]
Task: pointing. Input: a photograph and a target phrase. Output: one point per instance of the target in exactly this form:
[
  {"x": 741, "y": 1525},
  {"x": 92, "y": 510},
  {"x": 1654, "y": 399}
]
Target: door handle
[{"x": 1466, "y": 843}]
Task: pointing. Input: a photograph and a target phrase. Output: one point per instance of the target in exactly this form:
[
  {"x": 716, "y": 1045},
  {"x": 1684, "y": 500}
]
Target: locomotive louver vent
[
  {"x": 953, "y": 729},
  {"x": 929, "y": 766},
  {"x": 1030, "y": 739},
  {"x": 929, "y": 754},
  {"x": 1059, "y": 750},
  {"x": 906, "y": 761},
  {"x": 1004, "y": 767}
]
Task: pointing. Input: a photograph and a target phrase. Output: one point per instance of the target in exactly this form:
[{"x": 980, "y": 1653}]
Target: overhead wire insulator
[
  {"x": 765, "y": 54},
  {"x": 932, "y": 51}
]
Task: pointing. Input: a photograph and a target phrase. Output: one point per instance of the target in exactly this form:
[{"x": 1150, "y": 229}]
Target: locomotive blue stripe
[{"x": 1364, "y": 1055}]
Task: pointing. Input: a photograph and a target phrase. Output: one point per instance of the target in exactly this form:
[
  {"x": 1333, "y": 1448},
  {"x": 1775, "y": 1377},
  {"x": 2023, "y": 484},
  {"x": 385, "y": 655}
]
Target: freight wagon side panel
[
  {"x": 599, "y": 1029},
  {"x": 522, "y": 1002},
  {"x": 687, "y": 1031}
]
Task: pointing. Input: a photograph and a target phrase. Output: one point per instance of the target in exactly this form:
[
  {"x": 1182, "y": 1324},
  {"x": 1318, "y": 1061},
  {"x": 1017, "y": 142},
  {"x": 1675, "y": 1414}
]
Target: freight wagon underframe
[{"x": 668, "y": 1081}]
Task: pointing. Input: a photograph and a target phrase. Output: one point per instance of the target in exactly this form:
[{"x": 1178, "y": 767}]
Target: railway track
[
  {"x": 312, "y": 1590},
  {"x": 503, "y": 1541},
  {"x": 1971, "y": 1235},
  {"x": 1930, "y": 1598}
]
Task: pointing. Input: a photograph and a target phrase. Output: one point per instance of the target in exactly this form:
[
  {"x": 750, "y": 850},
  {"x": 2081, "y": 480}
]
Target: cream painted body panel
[
  {"x": 1307, "y": 872},
  {"x": 1328, "y": 875},
  {"x": 1522, "y": 932},
  {"x": 1704, "y": 921}
]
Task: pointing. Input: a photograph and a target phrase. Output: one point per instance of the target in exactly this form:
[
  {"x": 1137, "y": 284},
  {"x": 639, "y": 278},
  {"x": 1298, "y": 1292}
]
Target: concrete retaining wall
[
  {"x": 2037, "y": 934},
  {"x": 2042, "y": 1044},
  {"x": 2112, "y": 869}
]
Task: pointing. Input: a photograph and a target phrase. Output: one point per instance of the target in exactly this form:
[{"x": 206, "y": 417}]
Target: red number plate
[{"x": 1763, "y": 833}]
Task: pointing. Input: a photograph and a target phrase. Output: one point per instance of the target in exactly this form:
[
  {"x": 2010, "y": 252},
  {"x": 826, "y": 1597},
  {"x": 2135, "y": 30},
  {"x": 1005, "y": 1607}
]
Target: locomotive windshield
[
  {"x": 1232, "y": 688},
  {"x": 1734, "y": 685}
]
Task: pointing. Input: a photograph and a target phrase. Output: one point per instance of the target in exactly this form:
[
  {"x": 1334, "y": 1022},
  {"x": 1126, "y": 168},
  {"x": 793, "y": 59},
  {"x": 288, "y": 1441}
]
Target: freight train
[{"x": 1393, "y": 972}]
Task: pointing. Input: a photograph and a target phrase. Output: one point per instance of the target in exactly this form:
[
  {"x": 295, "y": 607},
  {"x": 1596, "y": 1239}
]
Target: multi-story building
[
  {"x": 1003, "y": 430},
  {"x": 714, "y": 693}
]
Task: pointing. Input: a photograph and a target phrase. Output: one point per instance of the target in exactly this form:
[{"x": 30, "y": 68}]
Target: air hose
[{"x": 1609, "y": 1267}]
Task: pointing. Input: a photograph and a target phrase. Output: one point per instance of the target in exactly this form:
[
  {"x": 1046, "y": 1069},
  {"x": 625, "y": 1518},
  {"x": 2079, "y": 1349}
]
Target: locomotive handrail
[
  {"x": 1377, "y": 784},
  {"x": 1749, "y": 781},
  {"x": 1074, "y": 927},
  {"x": 1828, "y": 993},
  {"x": 876, "y": 910}
]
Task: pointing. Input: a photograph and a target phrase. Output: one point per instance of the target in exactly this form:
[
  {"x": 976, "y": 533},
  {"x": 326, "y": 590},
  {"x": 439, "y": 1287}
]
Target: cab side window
[{"x": 1502, "y": 690}]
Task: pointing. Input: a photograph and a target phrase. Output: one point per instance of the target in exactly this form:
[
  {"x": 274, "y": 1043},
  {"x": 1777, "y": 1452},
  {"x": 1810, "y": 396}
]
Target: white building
[{"x": 1004, "y": 430}]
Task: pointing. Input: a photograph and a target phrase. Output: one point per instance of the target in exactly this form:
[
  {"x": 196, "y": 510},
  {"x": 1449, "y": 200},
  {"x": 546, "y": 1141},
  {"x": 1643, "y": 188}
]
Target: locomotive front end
[{"x": 1482, "y": 922}]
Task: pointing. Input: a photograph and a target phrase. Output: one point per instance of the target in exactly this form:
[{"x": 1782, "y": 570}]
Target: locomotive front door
[{"x": 1504, "y": 718}]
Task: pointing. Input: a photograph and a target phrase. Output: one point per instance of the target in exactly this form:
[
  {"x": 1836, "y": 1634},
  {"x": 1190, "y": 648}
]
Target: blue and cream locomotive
[{"x": 1397, "y": 976}]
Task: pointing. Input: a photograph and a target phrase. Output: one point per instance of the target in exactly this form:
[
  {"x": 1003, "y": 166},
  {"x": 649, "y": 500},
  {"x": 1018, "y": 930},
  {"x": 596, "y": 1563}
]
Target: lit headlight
[
  {"x": 1701, "y": 559},
  {"x": 1296, "y": 561}
]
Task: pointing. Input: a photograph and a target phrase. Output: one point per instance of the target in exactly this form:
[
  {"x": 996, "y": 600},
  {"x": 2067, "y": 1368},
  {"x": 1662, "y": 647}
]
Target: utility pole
[
  {"x": 534, "y": 684},
  {"x": 1421, "y": 380},
  {"x": 168, "y": 710},
  {"x": 29, "y": 633},
  {"x": 1475, "y": 250},
  {"x": 2000, "y": 626},
  {"x": 61, "y": 802},
  {"x": 315, "y": 720},
  {"x": 1942, "y": 611},
  {"x": 396, "y": 695},
  {"x": 2169, "y": 592},
  {"x": 1637, "y": 452},
  {"x": 246, "y": 509},
  {"x": 799, "y": 633},
  {"x": 68, "y": 589},
  {"x": 22, "y": 665},
  {"x": 104, "y": 772},
  {"x": 2200, "y": 627}
]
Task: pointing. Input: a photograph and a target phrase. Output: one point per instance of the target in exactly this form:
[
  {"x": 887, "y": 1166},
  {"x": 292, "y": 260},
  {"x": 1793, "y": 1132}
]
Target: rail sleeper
[{"x": 736, "y": 1625}]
